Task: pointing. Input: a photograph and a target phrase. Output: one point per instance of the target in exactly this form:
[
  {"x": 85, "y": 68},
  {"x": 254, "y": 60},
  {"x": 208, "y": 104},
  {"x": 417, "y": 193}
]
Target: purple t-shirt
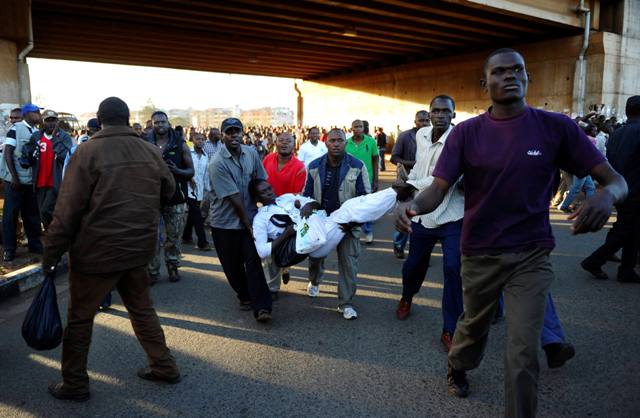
[{"x": 509, "y": 167}]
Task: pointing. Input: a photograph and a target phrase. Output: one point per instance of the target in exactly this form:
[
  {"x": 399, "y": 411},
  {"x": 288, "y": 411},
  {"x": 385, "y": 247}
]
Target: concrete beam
[{"x": 558, "y": 11}]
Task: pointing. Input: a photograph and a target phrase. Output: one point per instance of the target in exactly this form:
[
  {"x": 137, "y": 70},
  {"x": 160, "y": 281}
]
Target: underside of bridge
[
  {"x": 306, "y": 39},
  {"x": 381, "y": 58}
]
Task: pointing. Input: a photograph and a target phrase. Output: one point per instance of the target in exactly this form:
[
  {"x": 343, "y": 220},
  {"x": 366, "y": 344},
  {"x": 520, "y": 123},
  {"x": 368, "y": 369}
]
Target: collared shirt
[
  {"x": 265, "y": 231},
  {"x": 427, "y": 154},
  {"x": 210, "y": 149},
  {"x": 229, "y": 176},
  {"x": 309, "y": 152},
  {"x": 19, "y": 134},
  {"x": 200, "y": 163},
  {"x": 365, "y": 151}
]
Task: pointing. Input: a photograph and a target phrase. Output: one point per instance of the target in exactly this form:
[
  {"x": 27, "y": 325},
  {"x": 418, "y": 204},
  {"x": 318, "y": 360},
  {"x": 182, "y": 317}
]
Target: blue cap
[
  {"x": 93, "y": 123},
  {"x": 230, "y": 123},
  {"x": 29, "y": 107}
]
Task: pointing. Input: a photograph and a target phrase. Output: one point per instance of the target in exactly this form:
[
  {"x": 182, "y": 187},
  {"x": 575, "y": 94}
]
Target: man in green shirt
[{"x": 365, "y": 148}]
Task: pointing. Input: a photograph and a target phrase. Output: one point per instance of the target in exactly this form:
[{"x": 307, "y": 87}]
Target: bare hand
[
  {"x": 172, "y": 166},
  {"x": 592, "y": 214},
  {"x": 403, "y": 190},
  {"x": 404, "y": 212},
  {"x": 374, "y": 186},
  {"x": 307, "y": 210},
  {"x": 15, "y": 185}
]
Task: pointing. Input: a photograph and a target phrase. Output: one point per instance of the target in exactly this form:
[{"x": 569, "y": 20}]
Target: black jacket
[{"x": 61, "y": 146}]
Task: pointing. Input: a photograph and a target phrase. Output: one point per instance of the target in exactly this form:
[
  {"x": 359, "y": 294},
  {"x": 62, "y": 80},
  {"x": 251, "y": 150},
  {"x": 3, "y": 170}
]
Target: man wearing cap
[
  {"x": 19, "y": 196},
  {"x": 51, "y": 146},
  {"x": 231, "y": 216},
  {"x": 177, "y": 156}
]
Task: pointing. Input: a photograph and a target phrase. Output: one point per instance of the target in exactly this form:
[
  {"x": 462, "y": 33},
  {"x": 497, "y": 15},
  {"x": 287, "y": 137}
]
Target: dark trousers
[
  {"x": 46, "y": 198},
  {"x": 86, "y": 292},
  {"x": 23, "y": 202},
  {"x": 414, "y": 270},
  {"x": 624, "y": 234},
  {"x": 194, "y": 221},
  {"x": 242, "y": 266},
  {"x": 381, "y": 152}
]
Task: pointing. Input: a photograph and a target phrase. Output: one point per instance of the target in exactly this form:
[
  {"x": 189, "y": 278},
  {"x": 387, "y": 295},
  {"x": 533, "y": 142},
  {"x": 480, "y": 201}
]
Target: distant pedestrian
[
  {"x": 195, "y": 195},
  {"x": 381, "y": 139},
  {"x": 313, "y": 148},
  {"x": 111, "y": 181}
]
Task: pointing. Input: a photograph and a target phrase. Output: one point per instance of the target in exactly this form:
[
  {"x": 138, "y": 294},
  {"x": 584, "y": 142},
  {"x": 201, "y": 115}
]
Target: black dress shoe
[
  {"x": 147, "y": 374},
  {"x": 9, "y": 256},
  {"x": 558, "y": 354},
  {"x": 457, "y": 383},
  {"x": 58, "y": 391},
  {"x": 286, "y": 277},
  {"x": 263, "y": 315},
  {"x": 631, "y": 277},
  {"x": 398, "y": 252},
  {"x": 596, "y": 271}
]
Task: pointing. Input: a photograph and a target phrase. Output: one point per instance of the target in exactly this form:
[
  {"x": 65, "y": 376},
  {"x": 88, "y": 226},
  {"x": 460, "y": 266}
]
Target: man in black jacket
[
  {"x": 623, "y": 153},
  {"x": 178, "y": 158},
  {"x": 50, "y": 148}
]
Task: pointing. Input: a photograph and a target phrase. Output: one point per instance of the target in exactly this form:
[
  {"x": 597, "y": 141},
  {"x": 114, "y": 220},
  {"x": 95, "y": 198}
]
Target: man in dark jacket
[
  {"x": 107, "y": 218},
  {"x": 51, "y": 146},
  {"x": 177, "y": 157}
]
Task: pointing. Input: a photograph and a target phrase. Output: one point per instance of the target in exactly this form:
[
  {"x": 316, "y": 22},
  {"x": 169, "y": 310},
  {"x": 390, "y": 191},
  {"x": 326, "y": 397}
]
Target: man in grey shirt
[{"x": 231, "y": 216}]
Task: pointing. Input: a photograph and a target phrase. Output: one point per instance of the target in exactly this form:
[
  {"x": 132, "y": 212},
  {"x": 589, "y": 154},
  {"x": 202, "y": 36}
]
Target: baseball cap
[
  {"x": 49, "y": 114},
  {"x": 230, "y": 123},
  {"x": 28, "y": 108},
  {"x": 93, "y": 123}
]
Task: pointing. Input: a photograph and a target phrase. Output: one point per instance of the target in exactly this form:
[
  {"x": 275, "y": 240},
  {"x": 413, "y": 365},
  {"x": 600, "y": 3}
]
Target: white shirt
[
  {"x": 264, "y": 231},
  {"x": 452, "y": 207},
  {"x": 200, "y": 161},
  {"x": 309, "y": 152}
]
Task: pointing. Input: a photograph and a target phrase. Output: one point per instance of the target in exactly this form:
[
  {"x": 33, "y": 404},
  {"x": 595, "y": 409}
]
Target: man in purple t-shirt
[{"x": 509, "y": 157}]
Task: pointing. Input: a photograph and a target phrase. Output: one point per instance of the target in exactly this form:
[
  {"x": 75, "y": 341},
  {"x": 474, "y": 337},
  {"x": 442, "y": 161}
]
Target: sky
[{"x": 79, "y": 87}]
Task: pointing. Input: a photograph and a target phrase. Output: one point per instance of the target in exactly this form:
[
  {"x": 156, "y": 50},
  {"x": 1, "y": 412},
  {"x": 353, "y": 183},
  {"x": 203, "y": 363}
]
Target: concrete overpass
[{"x": 376, "y": 58}]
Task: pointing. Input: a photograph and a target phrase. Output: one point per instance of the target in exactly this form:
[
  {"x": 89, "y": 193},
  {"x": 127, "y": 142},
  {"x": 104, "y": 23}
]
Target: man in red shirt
[
  {"x": 50, "y": 148},
  {"x": 286, "y": 174}
]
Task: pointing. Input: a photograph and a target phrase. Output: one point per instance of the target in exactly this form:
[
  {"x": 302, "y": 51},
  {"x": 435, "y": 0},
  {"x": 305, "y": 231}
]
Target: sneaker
[
  {"x": 174, "y": 276},
  {"x": 348, "y": 312},
  {"x": 58, "y": 391},
  {"x": 596, "y": 271},
  {"x": 457, "y": 383},
  {"x": 558, "y": 354},
  {"x": 403, "y": 310},
  {"x": 263, "y": 315},
  {"x": 285, "y": 277},
  {"x": 204, "y": 247},
  {"x": 313, "y": 290},
  {"x": 368, "y": 238},
  {"x": 446, "y": 339},
  {"x": 398, "y": 252}
]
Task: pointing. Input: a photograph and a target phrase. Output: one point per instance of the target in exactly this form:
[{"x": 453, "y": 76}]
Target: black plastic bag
[
  {"x": 42, "y": 327},
  {"x": 285, "y": 255}
]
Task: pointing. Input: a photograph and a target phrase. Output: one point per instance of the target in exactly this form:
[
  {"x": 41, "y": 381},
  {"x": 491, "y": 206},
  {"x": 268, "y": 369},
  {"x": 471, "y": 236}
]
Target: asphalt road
[{"x": 309, "y": 362}]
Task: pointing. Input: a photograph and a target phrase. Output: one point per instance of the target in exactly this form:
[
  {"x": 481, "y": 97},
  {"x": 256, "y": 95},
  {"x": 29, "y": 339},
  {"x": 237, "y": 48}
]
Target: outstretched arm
[
  {"x": 427, "y": 201},
  {"x": 595, "y": 211}
]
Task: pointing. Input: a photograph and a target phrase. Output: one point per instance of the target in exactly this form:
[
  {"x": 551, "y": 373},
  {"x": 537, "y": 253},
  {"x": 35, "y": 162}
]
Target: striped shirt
[
  {"x": 452, "y": 207},
  {"x": 211, "y": 150}
]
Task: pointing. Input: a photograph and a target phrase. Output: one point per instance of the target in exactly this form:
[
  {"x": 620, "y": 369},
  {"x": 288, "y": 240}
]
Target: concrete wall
[
  {"x": 9, "y": 85},
  {"x": 390, "y": 97}
]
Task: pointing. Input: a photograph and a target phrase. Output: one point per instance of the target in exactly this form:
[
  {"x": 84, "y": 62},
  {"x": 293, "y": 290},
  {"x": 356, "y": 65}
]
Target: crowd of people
[{"x": 122, "y": 199}]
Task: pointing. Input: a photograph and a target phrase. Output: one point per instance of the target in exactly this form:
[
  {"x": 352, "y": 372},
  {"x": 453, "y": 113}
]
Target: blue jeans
[
  {"x": 551, "y": 329},
  {"x": 585, "y": 183},
  {"x": 400, "y": 239},
  {"x": 414, "y": 270},
  {"x": 381, "y": 154}
]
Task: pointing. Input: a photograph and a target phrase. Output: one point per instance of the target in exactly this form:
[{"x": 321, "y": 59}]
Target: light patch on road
[{"x": 55, "y": 364}]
